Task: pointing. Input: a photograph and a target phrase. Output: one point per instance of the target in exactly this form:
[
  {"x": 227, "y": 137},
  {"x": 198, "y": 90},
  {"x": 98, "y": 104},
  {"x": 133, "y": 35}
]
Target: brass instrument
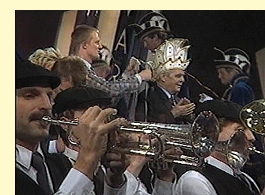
[
  {"x": 253, "y": 116},
  {"x": 237, "y": 150},
  {"x": 196, "y": 140}
]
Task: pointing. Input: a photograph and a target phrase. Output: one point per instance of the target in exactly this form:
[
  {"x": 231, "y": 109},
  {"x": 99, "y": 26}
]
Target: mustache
[{"x": 38, "y": 115}]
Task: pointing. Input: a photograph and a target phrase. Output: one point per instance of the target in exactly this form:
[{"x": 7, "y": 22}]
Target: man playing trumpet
[
  {"x": 36, "y": 171},
  {"x": 120, "y": 170}
]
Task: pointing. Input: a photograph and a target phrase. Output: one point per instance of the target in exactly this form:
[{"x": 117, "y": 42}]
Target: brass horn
[
  {"x": 237, "y": 149},
  {"x": 253, "y": 116},
  {"x": 196, "y": 140}
]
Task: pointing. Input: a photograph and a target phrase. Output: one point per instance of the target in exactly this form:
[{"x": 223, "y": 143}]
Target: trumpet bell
[
  {"x": 253, "y": 116},
  {"x": 204, "y": 134}
]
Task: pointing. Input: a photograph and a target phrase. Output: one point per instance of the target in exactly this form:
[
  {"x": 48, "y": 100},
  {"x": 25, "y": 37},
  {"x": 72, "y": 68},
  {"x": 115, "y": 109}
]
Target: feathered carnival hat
[
  {"x": 149, "y": 23},
  {"x": 233, "y": 58},
  {"x": 171, "y": 54}
]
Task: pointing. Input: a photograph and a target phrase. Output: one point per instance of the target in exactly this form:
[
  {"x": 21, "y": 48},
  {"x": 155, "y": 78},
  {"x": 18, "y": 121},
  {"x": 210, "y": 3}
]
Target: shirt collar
[
  {"x": 165, "y": 91},
  {"x": 219, "y": 164},
  {"x": 24, "y": 155},
  {"x": 88, "y": 65}
]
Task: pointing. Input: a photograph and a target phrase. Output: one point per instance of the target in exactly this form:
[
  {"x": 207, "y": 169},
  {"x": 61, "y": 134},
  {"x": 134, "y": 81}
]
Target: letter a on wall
[{"x": 122, "y": 42}]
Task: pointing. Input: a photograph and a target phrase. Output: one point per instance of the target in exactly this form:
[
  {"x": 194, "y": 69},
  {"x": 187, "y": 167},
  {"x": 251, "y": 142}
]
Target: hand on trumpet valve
[{"x": 92, "y": 130}]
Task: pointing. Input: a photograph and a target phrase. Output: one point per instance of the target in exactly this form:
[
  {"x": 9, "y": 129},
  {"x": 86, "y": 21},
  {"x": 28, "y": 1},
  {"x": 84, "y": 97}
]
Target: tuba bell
[{"x": 253, "y": 116}]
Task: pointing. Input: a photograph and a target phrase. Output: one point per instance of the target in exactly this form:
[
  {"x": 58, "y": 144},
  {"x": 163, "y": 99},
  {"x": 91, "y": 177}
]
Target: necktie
[
  {"x": 42, "y": 178},
  {"x": 172, "y": 99}
]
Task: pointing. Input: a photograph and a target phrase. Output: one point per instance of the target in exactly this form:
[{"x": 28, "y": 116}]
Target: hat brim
[
  {"x": 62, "y": 107},
  {"x": 221, "y": 109},
  {"x": 80, "y": 98},
  {"x": 226, "y": 64},
  {"x": 41, "y": 81},
  {"x": 31, "y": 75}
]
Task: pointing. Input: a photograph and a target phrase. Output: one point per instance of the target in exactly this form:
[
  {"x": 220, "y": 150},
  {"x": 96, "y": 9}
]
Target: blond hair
[{"x": 46, "y": 57}]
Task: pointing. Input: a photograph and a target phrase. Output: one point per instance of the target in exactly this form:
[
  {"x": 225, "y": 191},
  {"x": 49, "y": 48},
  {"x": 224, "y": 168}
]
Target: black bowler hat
[
  {"x": 221, "y": 109},
  {"x": 150, "y": 23},
  {"x": 31, "y": 75},
  {"x": 80, "y": 98}
]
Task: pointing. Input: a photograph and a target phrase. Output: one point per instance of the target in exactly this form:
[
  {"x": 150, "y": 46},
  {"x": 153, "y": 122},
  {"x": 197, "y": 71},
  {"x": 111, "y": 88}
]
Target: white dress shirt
[{"x": 194, "y": 183}]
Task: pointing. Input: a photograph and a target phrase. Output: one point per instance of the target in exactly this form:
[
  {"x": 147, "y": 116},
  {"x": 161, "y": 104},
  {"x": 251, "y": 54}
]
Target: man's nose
[
  {"x": 46, "y": 102},
  {"x": 182, "y": 78},
  {"x": 100, "y": 46}
]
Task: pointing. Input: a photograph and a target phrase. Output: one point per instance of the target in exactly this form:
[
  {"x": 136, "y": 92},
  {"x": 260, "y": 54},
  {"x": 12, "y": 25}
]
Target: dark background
[
  {"x": 221, "y": 29},
  {"x": 205, "y": 30}
]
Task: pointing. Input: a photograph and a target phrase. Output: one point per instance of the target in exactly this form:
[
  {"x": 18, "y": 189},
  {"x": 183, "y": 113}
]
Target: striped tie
[{"x": 172, "y": 99}]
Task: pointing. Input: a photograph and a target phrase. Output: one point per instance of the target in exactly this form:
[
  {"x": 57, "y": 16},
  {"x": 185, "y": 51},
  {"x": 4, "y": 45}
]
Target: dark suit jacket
[
  {"x": 58, "y": 165},
  {"x": 158, "y": 107}
]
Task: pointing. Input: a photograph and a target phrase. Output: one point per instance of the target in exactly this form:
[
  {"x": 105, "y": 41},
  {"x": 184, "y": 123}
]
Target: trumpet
[
  {"x": 196, "y": 140},
  {"x": 49, "y": 120}
]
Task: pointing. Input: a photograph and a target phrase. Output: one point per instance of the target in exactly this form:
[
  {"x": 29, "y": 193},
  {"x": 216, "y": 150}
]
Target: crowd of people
[{"x": 75, "y": 150}]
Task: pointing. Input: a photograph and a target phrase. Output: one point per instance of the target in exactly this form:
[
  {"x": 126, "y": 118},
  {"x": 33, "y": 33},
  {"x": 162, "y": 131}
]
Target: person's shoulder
[{"x": 192, "y": 176}]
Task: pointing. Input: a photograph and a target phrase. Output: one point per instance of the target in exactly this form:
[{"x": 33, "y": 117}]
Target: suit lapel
[
  {"x": 163, "y": 98},
  {"x": 24, "y": 185}
]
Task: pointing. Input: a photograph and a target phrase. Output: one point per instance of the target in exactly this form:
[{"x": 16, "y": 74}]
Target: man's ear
[
  {"x": 84, "y": 44},
  {"x": 163, "y": 77}
]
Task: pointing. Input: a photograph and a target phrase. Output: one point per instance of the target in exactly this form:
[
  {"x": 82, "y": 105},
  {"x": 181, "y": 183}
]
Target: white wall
[{"x": 260, "y": 59}]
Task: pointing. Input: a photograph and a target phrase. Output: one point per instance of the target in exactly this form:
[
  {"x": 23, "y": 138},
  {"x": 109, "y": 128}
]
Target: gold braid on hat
[{"x": 170, "y": 55}]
